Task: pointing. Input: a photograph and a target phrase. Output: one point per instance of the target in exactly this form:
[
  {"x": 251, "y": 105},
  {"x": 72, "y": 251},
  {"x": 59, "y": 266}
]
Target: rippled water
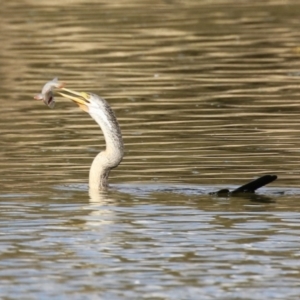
[{"x": 206, "y": 93}]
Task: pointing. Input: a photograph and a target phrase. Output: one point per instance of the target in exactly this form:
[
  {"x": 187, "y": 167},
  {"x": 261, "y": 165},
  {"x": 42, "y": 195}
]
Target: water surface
[{"x": 206, "y": 94}]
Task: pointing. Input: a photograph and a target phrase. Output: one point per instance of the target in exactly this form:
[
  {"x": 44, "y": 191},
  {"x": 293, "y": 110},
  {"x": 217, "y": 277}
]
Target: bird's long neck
[{"x": 112, "y": 156}]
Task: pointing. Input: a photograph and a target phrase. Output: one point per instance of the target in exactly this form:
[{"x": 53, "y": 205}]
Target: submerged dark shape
[{"x": 248, "y": 188}]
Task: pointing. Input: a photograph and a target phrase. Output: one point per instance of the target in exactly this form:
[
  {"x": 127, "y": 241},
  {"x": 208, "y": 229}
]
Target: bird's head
[{"x": 96, "y": 106}]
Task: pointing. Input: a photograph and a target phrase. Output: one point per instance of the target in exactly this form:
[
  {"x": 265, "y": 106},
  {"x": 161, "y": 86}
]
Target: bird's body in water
[
  {"x": 113, "y": 154},
  {"x": 111, "y": 157}
]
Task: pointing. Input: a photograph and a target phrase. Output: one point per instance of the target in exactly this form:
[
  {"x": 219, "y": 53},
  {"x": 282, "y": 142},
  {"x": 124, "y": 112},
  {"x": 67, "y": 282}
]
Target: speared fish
[{"x": 47, "y": 92}]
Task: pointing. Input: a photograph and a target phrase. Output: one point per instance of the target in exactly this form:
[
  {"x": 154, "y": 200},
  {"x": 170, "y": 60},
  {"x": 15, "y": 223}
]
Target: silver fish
[{"x": 47, "y": 92}]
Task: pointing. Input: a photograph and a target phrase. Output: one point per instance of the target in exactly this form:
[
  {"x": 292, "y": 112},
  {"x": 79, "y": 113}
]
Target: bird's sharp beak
[{"x": 80, "y": 98}]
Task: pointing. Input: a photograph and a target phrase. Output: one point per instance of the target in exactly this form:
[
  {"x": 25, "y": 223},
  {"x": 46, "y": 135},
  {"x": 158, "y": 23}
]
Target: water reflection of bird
[{"x": 111, "y": 157}]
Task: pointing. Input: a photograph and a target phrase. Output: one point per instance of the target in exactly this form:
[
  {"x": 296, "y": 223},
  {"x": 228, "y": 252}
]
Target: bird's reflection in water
[
  {"x": 100, "y": 212},
  {"x": 258, "y": 198},
  {"x": 98, "y": 197}
]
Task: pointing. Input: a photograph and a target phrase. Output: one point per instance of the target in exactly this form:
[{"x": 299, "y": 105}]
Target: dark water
[{"x": 206, "y": 93}]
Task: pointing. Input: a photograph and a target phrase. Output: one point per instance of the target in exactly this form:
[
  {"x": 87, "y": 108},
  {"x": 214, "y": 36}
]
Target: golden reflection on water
[
  {"x": 198, "y": 109},
  {"x": 206, "y": 92},
  {"x": 196, "y": 103}
]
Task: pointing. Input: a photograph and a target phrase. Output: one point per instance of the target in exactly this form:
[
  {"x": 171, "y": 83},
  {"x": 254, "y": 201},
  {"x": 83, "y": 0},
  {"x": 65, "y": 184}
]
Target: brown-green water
[{"x": 207, "y": 95}]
